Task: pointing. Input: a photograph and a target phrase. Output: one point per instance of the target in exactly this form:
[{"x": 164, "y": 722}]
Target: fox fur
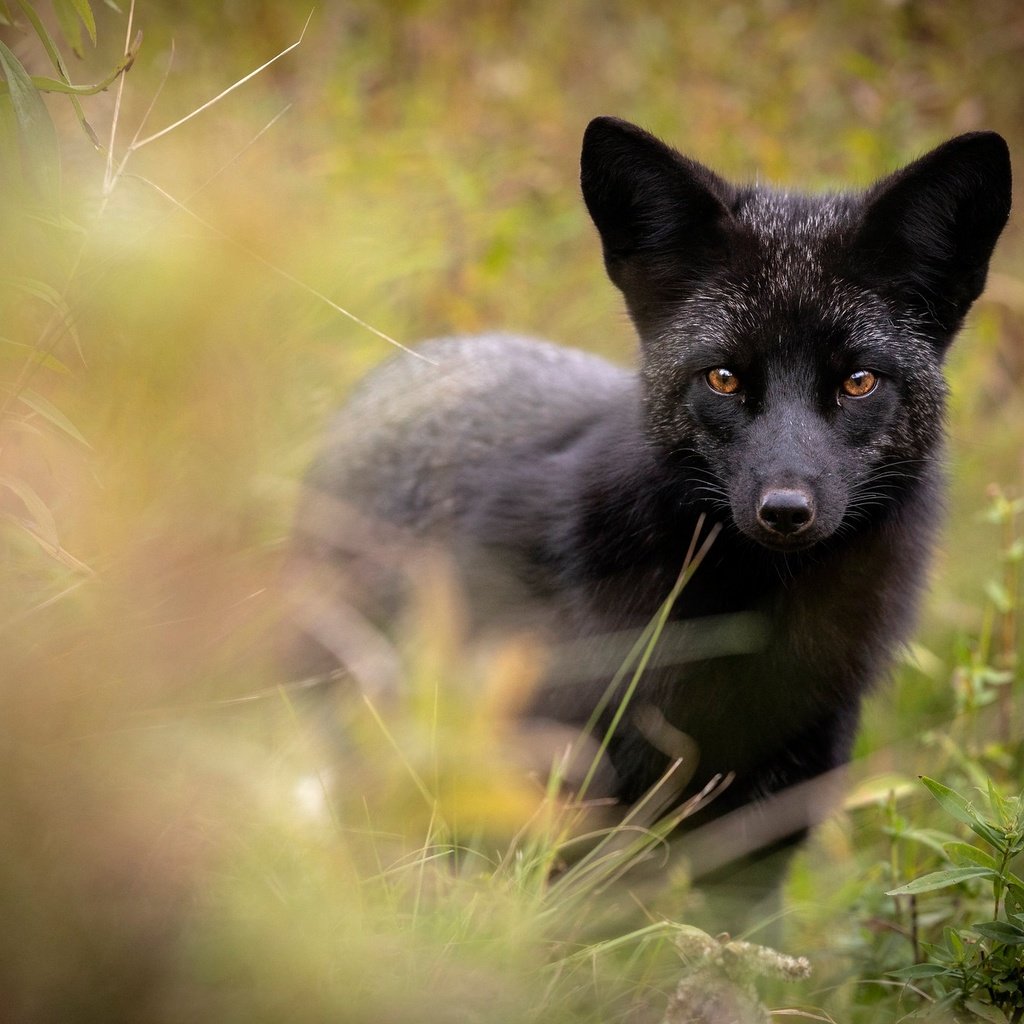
[{"x": 789, "y": 388}]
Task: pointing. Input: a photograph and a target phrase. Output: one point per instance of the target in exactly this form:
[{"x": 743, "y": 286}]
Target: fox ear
[
  {"x": 662, "y": 218},
  {"x": 929, "y": 229}
]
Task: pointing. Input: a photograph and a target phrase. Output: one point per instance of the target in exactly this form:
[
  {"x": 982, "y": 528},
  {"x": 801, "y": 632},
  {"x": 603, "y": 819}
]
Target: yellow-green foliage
[{"x": 178, "y": 841}]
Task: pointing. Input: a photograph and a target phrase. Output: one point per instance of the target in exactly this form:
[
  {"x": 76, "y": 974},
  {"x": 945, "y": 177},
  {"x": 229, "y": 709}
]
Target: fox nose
[{"x": 786, "y": 512}]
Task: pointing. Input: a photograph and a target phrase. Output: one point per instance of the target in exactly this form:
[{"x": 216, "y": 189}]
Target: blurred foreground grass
[{"x": 168, "y": 354}]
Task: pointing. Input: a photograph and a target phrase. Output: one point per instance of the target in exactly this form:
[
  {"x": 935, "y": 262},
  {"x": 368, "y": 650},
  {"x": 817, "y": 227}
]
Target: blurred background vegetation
[{"x": 170, "y": 348}]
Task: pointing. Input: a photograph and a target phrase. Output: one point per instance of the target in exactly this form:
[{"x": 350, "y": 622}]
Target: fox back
[{"x": 790, "y": 390}]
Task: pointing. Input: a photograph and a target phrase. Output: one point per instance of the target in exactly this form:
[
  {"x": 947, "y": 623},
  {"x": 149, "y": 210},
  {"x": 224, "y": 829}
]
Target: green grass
[{"x": 181, "y": 840}]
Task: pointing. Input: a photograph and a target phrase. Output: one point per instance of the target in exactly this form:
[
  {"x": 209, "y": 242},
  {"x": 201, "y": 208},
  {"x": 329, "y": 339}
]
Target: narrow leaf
[
  {"x": 70, "y": 25},
  {"x": 999, "y": 596},
  {"x": 951, "y": 802},
  {"x": 930, "y": 837},
  {"x": 919, "y": 971},
  {"x": 51, "y": 414},
  {"x": 23, "y": 351},
  {"x": 55, "y": 551},
  {"x": 85, "y": 13},
  {"x": 49, "y": 45},
  {"x": 53, "y": 52},
  {"x": 986, "y": 1011},
  {"x": 48, "y": 294},
  {"x": 37, "y": 136},
  {"x": 39, "y": 289},
  {"x": 941, "y": 880},
  {"x": 44, "y": 84},
  {"x": 960, "y": 809},
  {"x": 37, "y": 508},
  {"x": 1001, "y": 932},
  {"x": 964, "y": 853},
  {"x": 1015, "y": 899}
]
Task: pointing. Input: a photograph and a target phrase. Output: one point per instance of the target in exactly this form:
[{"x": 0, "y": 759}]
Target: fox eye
[
  {"x": 859, "y": 384},
  {"x": 724, "y": 381}
]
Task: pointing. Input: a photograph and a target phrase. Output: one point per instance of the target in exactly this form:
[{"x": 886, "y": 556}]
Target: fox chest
[{"x": 751, "y": 672}]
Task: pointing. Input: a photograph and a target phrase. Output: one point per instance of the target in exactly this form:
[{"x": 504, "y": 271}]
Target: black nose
[{"x": 786, "y": 512}]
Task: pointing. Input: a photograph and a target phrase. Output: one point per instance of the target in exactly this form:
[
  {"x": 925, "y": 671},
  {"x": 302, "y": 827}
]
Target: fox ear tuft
[
  {"x": 928, "y": 230},
  {"x": 662, "y": 217}
]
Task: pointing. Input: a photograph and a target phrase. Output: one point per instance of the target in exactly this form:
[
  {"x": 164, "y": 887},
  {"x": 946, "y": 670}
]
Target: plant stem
[{"x": 914, "y": 936}]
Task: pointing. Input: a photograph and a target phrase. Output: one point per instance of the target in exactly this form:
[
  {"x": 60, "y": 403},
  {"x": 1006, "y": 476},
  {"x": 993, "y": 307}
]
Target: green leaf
[
  {"x": 48, "y": 294},
  {"x": 58, "y": 62},
  {"x": 960, "y": 809},
  {"x": 85, "y": 13},
  {"x": 73, "y": 14},
  {"x": 39, "y": 289},
  {"x": 947, "y": 1002},
  {"x": 941, "y": 880},
  {"x": 951, "y": 802},
  {"x": 999, "y": 596},
  {"x": 37, "y": 137},
  {"x": 1001, "y": 932},
  {"x": 963, "y": 853},
  {"x": 23, "y": 351},
  {"x": 70, "y": 25},
  {"x": 996, "y": 800},
  {"x": 51, "y": 414},
  {"x": 986, "y": 1011},
  {"x": 49, "y": 45},
  {"x": 1015, "y": 899},
  {"x": 937, "y": 954},
  {"x": 930, "y": 837},
  {"x": 920, "y": 971},
  {"x": 37, "y": 508}
]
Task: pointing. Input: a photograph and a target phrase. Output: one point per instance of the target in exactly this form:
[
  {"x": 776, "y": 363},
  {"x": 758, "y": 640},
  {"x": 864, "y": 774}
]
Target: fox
[{"x": 786, "y": 411}]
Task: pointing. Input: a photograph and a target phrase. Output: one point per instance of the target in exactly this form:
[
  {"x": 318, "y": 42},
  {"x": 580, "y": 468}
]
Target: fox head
[{"x": 792, "y": 345}]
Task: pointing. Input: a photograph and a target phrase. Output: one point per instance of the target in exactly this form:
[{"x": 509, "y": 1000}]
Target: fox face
[
  {"x": 792, "y": 346},
  {"x": 796, "y": 395}
]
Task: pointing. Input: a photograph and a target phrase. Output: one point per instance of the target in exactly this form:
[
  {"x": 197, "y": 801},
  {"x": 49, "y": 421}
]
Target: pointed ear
[
  {"x": 663, "y": 219},
  {"x": 928, "y": 231}
]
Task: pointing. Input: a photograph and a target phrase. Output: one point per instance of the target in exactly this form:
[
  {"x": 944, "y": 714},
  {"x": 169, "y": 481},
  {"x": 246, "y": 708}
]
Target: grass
[{"x": 181, "y": 838}]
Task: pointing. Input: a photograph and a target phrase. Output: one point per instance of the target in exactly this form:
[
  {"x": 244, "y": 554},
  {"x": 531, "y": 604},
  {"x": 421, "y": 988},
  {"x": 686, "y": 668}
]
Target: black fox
[{"x": 790, "y": 389}]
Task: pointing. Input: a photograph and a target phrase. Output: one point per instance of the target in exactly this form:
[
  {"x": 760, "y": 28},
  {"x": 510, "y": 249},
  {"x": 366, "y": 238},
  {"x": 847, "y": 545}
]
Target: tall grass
[{"x": 182, "y": 838}]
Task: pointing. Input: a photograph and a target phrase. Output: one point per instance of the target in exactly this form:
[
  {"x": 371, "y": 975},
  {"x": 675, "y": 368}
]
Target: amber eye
[
  {"x": 859, "y": 384},
  {"x": 724, "y": 381}
]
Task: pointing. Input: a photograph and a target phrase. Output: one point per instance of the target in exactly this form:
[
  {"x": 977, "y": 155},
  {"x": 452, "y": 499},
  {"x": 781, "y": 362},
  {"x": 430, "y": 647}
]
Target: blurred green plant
[
  {"x": 49, "y": 246},
  {"x": 173, "y": 846},
  {"x": 988, "y": 670},
  {"x": 30, "y": 164}
]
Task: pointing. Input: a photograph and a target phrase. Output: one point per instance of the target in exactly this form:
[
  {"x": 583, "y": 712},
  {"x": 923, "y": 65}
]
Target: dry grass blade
[
  {"x": 290, "y": 278},
  {"x": 139, "y": 143}
]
